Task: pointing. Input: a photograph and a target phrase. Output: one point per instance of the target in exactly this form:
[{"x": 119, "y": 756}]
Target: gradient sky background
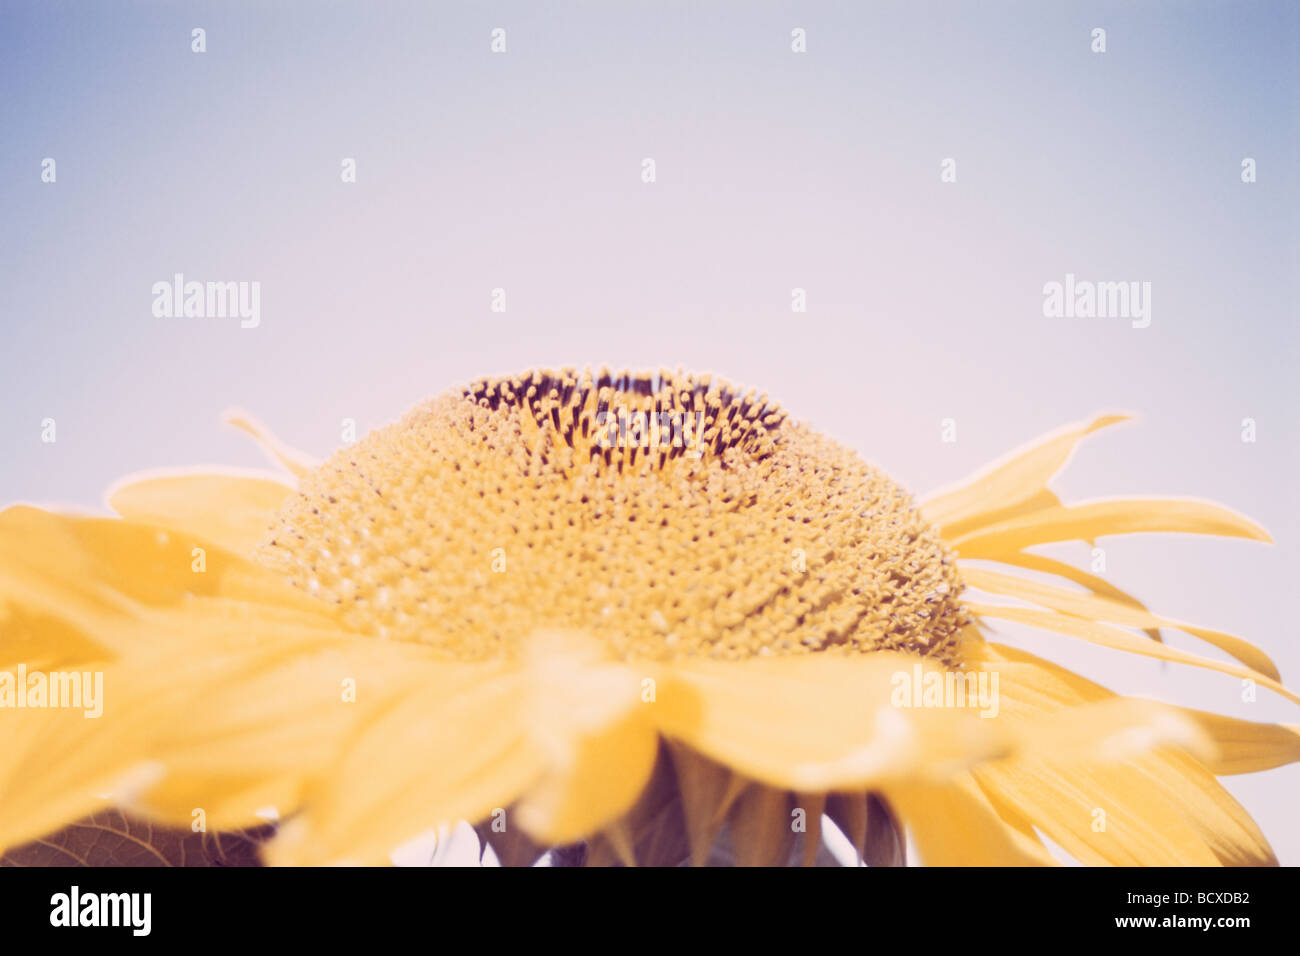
[{"x": 775, "y": 170}]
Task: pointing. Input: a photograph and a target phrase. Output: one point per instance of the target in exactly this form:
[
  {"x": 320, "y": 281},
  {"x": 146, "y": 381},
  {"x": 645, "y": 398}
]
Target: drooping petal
[
  {"x": 1095, "y": 519},
  {"x": 654, "y": 828},
  {"x": 1097, "y": 585},
  {"x": 1015, "y": 484},
  {"x": 1109, "y": 814},
  {"x": 1111, "y": 730},
  {"x": 41, "y": 794},
  {"x": 562, "y": 734},
  {"x": 817, "y": 722},
  {"x": 1092, "y": 607},
  {"x": 231, "y": 729},
  {"x": 954, "y": 824},
  {"x": 1116, "y": 639},
  {"x": 1223, "y": 823},
  {"x": 1163, "y": 809},
  {"x": 231, "y": 510},
  {"x": 588, "y": 717},
  {"x": 457, "y": 749},
  {"x": 1098, "y": 810},
  {"x": 271, "y": 712},
  {"x": 1032, "y": 686},
  {"x": 1244, "y": 746},
  {"x": 1061, "y": 718}
]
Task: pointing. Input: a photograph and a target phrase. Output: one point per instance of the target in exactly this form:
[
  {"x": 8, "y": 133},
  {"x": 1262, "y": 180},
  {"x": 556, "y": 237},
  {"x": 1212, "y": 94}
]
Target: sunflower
[{"x": 649, "y": 614}]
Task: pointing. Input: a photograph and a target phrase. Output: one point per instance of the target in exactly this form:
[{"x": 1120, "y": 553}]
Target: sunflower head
[
  {"x": 671, "y": 514},
  {"x": 646, "y": 612}
]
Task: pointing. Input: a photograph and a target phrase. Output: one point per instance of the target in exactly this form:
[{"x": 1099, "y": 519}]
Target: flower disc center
[{"x": 670, "y": 514}]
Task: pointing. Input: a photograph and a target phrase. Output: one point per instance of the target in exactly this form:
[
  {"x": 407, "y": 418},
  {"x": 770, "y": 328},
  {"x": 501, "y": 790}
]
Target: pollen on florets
[{"x": 670, "y": 514}]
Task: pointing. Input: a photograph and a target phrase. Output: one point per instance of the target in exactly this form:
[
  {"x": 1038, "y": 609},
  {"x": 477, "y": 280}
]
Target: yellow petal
[
  {"x": 1111, "y": 730},
  {"x": 1096, "y": 608},
  {"x": 954, "y": 824},
  {"x": 1008, "y": 485},
  {"x": 1032, "y": 686},
  {"x": 1095, "y": 519},
  {"x": 561, "y": 733},
  {"x": 42, "y": 641},
  {"x": 588, "y": 717},
  {"x": 1049, "y": 712},
  {"x": 52, "y": 772},
  {"x": 1162, "y": 809},
  {"x": 190, "y": 641},
  {"x": 299, "y": 463},
  {"x": 230, "y": 729},
  {"x": 1110, "y": 814},
  {"x": 1098, "y": 810},
  {"x": 1111, "y": 637},
  {"x": 231, "y": 510},
  {"x": 655, "y": 827},
  {"x": 273, "y": 714},
  {"x": 1222, "y": 822},
  {"x": 457, "y": 749},
  {"x": 816, "y": 722},
  {"x": 1244, "y": 746},
  {"x": 1098, "y": 586},
  {"x": 120, "y": 584}
]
